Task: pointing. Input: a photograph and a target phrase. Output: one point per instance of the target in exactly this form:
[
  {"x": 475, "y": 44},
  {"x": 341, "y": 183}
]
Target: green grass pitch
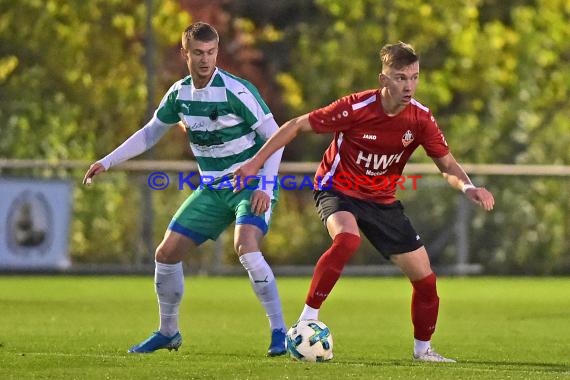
[{"x": 80, "y": 328}]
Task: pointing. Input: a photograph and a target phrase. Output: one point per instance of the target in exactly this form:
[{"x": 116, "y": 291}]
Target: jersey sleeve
[
  {"x": 247, "y": 102},
  {"x": 336, "y": 117},
  {"x": 167, "y": 110},
  {"x": 433, "y": 141},
  {"x": 141, "y": 141}
]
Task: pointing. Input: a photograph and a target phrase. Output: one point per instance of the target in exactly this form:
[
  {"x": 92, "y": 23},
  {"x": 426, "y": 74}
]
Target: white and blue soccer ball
[{"x": 310, "y": 341}]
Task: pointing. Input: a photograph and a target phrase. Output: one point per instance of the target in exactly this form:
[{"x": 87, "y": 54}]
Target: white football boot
[{"x": 431, "y": 356}]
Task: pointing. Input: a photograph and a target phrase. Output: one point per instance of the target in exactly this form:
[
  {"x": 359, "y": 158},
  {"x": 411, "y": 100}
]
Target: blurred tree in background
[
  {"x": 72, "y": 81},
  {"x": 72, "y": 86},
  {"x": 495, "y": 74}
]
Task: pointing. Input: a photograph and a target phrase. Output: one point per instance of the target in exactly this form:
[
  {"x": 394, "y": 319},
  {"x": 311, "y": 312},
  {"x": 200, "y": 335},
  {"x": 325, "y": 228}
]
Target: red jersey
[{"x": 369, "y": 146}]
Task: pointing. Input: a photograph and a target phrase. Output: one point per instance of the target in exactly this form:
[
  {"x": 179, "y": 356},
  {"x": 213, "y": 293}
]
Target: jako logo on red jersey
[
  {"x": 378, "y": 161},
  {"x": 369, "y": 137}
]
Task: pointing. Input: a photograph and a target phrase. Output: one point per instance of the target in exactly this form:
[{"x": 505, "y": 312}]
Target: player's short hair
[
  {"x": 199, "y": 31},
  {"x": 398, "y": 55}
]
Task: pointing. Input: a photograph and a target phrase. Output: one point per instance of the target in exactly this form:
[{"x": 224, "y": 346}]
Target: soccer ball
[{"x": 310, "y": 341}]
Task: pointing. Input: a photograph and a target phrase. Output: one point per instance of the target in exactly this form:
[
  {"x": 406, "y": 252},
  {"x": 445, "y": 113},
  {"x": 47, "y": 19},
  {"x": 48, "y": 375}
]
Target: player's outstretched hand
[
  {"x": 242, "y": 175},
  {"x": 260, "y": 202},
  {"x": 93, "y": 170},
  {"x": 482, "y": 197}
]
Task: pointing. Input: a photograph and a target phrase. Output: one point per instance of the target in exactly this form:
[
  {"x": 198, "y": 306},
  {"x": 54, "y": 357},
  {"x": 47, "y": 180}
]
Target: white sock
[
  {"x": 309, "y": 313},
  {"x": 264, "y": 286},
  {"x": 169, "y": 287},
  {"x": 420, "y": 346}
]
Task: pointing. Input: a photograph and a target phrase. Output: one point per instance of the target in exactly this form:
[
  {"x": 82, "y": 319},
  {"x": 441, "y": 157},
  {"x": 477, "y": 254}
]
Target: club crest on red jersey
[{"x": 407, "y": 138}]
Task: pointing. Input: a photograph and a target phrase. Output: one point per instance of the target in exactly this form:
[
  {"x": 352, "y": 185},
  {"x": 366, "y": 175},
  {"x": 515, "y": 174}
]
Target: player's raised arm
[
  {"x": 139, "y": 142},
  {"x": 282, "y": 137},
  {"x": 457, "y": 178}
]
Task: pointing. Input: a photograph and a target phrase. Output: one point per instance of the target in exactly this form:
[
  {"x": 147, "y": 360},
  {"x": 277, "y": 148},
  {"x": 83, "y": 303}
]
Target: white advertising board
[{"x": 34, "y": 223}]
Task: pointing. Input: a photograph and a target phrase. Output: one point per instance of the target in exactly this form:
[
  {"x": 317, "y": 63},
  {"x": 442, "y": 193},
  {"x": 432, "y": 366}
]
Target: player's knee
[
  {"x": 165, "y": 255},
  {"x": 245, "y": 245},
  {"x": 160, "y": 254}
]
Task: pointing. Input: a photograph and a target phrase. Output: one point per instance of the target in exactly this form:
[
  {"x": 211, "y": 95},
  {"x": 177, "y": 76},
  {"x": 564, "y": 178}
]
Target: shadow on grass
[
  {"x": 555, "y": 367},
  {"x": 503, "y": 365},
  {"x": 463, "y": 364}
]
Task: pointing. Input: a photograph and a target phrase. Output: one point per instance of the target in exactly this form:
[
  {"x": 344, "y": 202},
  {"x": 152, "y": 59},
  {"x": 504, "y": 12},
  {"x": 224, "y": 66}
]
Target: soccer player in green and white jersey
[{"x": 227, "y": 122}]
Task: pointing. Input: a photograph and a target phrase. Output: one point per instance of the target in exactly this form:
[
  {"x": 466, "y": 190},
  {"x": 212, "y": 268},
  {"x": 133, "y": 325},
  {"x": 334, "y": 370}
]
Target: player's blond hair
[
  {"x": 398, "y": 55},
  {"x": 199, "y": 31}
]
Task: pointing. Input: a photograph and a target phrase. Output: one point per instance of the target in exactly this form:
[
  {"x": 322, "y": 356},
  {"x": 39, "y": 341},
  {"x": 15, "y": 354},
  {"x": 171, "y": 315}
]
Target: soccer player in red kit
[{"x": 375, "y": 133}]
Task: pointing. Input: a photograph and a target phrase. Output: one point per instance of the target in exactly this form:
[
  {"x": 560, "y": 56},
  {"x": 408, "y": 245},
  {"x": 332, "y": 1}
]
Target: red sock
[
  {"x": 330, "y": 266},
  {"x": 425, "y": 305}
]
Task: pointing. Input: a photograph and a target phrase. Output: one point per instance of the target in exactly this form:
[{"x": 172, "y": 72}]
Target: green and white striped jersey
[{"x": 220, "y": 120}]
